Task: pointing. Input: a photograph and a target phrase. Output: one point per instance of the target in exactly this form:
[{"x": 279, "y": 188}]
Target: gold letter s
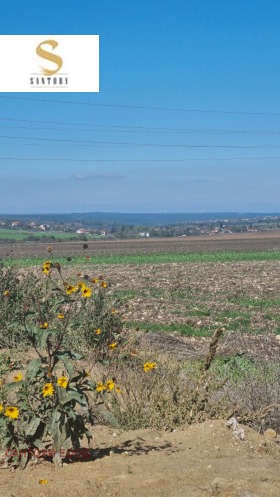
[{"x": 49, "y": 56}]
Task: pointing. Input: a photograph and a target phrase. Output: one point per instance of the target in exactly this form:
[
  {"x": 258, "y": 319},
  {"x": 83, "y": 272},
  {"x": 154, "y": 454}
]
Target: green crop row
[{"x": 160, "y": 258}]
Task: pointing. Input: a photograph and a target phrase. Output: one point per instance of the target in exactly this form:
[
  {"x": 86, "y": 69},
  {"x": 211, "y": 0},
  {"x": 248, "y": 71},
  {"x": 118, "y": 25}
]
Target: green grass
[
  {"x": 233, "y": 367},
  {"x": 159, "y": 258},
  {"x": 20, "y": 235},
  {"x": 247, "y": 302},
  {"x": 230, "y": 313}
]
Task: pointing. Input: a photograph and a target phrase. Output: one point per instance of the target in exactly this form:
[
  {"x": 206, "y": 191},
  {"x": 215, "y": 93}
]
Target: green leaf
[
  {"x": 72, "y": 355},
  {"x": 58, "y": 429},
  {"x": 32, "y": 427},
  {"x": 11, "y": 386},
  {"x": 77, "y": 378},
  {"x": 81, "y": 399},
  {"x": 3, "y": 422},
  {"x": 24, "y": 456},
  {"x": 43, "y": 336},
  {"x": 71, "y": 414},
  {"x": 108, "y": 416},
  {"x": 33, "y": 368},
  {"x": 91, "y": 385},
  {"x": 67, "y": 363},
  {"x": 38, "y": 444},
  {"x": 6, "y": 441}
]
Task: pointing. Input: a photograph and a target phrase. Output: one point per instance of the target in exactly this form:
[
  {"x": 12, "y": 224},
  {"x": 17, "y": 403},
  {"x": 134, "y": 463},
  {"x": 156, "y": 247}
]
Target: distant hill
[{"x": 135, "y": 219}]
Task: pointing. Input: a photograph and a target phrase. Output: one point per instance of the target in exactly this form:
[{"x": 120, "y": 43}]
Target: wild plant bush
[
  {"x": 27, "y": 299},
  {"x": 157, "y": 391},
  {"x": 45, "y": 410}
]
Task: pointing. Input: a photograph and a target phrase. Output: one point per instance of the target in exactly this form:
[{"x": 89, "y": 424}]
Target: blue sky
[{"x": 124, "y": 148}]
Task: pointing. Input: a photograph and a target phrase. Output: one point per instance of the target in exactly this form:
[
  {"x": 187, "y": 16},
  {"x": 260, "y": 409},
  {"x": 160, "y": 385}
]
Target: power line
[
  {"x": 132, "y": 129},
  {"x": 142, "y": 107},
  {"x": 137, "y": 160},
  {"x": 141, "y": 145}
]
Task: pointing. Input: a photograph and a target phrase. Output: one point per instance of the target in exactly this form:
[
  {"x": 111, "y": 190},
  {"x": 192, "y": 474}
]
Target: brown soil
[
  {"x": 204, "y": 460},
  {"x": 240, "y": 242},
  {"x": 261, "y": 347},
  {"x": 242, "y": 297}
]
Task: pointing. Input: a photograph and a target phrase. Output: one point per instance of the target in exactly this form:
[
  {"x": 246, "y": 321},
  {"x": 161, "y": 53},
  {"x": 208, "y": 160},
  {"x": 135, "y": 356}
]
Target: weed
[{"x": 45, "y": 410}]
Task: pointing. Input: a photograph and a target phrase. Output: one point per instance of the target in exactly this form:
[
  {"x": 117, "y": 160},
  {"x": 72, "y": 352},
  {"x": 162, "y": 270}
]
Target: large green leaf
[
  {"x": 38, "y": 444},
  {"x": 32, "y": 427},
  {"x": 58, "y": 429},
  {"x": 43, "y": 336},
  {"x": 6, "y": 441},
  {"x": 23, "y": 395},
  {"x": 108, "y": 416},
  {"x": 72, "y": 395},
  {"x": 11, "y": 386},
  {"x": 33, "y": 368},
  {"x": 67, "y": 363}
]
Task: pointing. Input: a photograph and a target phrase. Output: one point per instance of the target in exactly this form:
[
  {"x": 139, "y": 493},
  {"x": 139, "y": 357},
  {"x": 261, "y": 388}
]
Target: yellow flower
[
  {"x": 7, "y": 293},
  {"x": 62, "y": 382},
  {"x": 118, "y": 390},
  {"x": 94, "y": 280},
  {"x": 149, "y": 365},
  {"x": 44, "y": 326},
  {"x": 43, "y": 481},
  {"x": 81, "y": 285},
  {"x": 114, "y": 311},
  {"x": 112, "y": 345},
  {"x": 60, "y": 316},
  {"x": 86, "y": 292},
  {"x": 110, "y": 385},
  {"x": 48, "y": 389},
  {"x": 1, "y": 407},
  {"x": 1, "y": 383},
  {"x": 11, "y": 412},
  {"x": 98, "y": 331},
  {"x": 103, "y": 284},
  {"x": 70, "y": 289},
  {"x": 100, "y": 387},
  {"x": 46, "y": 267},
  {"x": 18, "y": 377}
]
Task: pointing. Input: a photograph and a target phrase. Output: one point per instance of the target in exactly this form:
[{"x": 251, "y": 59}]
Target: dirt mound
[{"x": 199, "y": 461}]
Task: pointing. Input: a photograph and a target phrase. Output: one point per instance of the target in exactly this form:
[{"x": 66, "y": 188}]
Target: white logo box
[{"x": 49, "y": 63}]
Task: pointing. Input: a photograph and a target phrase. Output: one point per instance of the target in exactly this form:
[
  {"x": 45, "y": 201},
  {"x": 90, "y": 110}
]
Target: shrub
[
  {"x": 46, "y": 409},
  {"x": 157, "y": 392}
]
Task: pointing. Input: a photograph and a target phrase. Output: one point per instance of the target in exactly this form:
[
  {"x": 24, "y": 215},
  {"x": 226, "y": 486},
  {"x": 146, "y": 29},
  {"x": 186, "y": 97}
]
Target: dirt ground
[
  {"x": 203, "y": 460},
  {"x": 242, "y": 242}
]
